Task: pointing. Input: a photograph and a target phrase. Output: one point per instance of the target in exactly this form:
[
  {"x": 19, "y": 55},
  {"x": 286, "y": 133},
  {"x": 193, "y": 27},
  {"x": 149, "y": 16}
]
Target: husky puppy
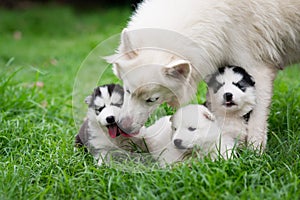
[
  {"x": 169, "y": 46},
  {"x": 99, "y": 132},
  {"x": 195, "y": 126},
  {"x": 231, "y": 97}
]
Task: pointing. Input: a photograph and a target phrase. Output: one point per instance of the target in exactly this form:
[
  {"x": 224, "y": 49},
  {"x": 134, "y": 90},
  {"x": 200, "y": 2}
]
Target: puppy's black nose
[
  {"x": 110, "y": 119},
  {"x": 177, "y": 143},
  {"x": 228, "y": 96}
]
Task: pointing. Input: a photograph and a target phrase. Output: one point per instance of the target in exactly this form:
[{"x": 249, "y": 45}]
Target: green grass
[{"x": 37, "y": 124}]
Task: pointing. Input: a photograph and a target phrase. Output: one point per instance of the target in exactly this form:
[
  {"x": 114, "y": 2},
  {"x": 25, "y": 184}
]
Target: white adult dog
[{"x": 171, "y": 45}]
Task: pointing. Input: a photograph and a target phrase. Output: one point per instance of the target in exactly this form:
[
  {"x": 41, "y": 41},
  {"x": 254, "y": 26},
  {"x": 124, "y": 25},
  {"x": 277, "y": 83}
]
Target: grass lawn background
[{"x": 48, "y": 45}]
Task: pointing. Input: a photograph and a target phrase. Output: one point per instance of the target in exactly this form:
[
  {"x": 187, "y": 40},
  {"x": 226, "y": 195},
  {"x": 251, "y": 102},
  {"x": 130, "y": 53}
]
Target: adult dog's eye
[
  {"x": 174, "y": 129},
  {"x": 191, "y": 129},
  {"x": 151, "y": 100}
]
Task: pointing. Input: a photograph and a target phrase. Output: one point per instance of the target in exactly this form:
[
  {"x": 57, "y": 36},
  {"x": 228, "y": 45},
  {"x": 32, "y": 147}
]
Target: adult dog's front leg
[{"x": 258, "y": 125}]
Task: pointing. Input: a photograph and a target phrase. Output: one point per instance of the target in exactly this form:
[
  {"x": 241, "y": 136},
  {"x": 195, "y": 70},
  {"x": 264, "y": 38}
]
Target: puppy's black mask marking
[{"x": 246, "y": 81}]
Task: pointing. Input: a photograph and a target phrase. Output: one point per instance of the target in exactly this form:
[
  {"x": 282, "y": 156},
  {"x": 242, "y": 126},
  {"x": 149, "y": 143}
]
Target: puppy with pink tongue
[{"x": 99, "y": 133}]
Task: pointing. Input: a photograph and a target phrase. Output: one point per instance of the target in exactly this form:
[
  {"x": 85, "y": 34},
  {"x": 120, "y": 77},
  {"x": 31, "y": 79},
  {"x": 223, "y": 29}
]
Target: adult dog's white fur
[{"x": 170, "y": 45}]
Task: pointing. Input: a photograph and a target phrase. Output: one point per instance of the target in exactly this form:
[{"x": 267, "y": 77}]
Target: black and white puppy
[
  {"x": 99, "y": 132},
  {"x": 231, "y": 97}
]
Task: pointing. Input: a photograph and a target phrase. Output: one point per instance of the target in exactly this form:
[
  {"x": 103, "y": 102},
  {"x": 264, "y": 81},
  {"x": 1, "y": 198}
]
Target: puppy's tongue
[
  {"x": 113, "y": 131},
  {"x": 229, "y": 103},
  {"x": 127, "y": 135}
]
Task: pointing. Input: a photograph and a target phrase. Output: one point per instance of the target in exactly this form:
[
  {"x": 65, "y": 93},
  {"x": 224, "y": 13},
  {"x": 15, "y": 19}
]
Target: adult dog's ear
[
  {"x": 126, "y": 46},
  {"x": 123, "y": 54},
  {"x": 178, "y": 69},
  {"x": 125, "y": 50},
  {"x": 115, "y": 65}
]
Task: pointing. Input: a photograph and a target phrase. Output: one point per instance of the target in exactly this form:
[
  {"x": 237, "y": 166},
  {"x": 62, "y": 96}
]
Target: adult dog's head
[{"x": 150, "y": 77}]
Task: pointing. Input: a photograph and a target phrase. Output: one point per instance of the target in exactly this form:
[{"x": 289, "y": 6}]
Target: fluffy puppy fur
[
  {"x": 191, "y": 128},
  {"x": 195, "y": 126},
  {"x": 99, "y": 132},
  {"x": 231, "y": 97}
]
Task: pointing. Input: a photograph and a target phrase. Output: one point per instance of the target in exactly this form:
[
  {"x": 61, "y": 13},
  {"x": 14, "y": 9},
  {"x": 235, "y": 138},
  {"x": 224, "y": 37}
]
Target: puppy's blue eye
[
  {"x": 150, "y": 100},
  {"x": 191, "y": 129},
  {"x": 128, "y": 91}
]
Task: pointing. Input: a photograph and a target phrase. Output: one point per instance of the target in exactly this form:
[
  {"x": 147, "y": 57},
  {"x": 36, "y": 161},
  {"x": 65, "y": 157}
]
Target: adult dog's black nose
[
  {"x": 110, "y": 119},
  {"x": 177, "y": 143},
  {"x": 228, "y": 96}
]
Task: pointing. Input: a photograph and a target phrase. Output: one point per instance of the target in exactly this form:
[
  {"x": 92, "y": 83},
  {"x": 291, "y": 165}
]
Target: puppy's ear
[
  {"x": 88, "y": 99},
  {"x": 178, "y": 69},
  {"x": 207, "y": 114}
]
